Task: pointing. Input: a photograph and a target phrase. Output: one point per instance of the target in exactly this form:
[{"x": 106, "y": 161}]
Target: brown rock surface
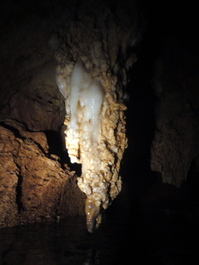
[{"x": 33, "y": 186}]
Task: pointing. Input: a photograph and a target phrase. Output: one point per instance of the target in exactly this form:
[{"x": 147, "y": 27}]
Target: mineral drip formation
[
  {"x": 91, "y": 75},
  {"x": 95, "y": 137}
]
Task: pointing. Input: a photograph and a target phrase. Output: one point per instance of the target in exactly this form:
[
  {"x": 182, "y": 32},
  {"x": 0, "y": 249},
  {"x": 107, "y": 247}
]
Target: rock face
[
  {"x": 33, "y": 186},
  {"x": 176, "y": 143}
]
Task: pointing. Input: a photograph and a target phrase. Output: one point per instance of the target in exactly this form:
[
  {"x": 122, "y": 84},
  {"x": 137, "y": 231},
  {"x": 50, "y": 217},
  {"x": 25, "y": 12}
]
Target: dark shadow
[
  {"x": 12, "y": 129},
  {"x": 135, "y": 168},
  {"x": 19, "y": 193},
  {"x": 57, "y": 147}
]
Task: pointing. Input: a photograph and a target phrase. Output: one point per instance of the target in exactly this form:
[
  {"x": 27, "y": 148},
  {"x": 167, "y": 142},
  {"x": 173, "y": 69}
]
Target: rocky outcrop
[{"x": 33, "y": 185}]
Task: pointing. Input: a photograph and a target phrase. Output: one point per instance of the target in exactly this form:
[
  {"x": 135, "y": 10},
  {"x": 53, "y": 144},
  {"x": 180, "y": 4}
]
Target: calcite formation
[
  {"x": 91, "y": 75},
  {"x": 84, "y": 48},
  {"x": 95, "y": 137}
]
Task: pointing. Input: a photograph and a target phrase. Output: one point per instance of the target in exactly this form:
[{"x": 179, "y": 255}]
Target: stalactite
[
  {"x": 91, "y": 75},
  {"x": 84, "y": 49}
]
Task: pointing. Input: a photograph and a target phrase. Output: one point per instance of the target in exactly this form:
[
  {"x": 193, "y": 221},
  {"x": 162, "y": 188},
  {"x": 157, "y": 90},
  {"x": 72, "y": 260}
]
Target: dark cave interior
[
  {"x": 150, "y": 208},
  {"x": 170, "y": 27}
]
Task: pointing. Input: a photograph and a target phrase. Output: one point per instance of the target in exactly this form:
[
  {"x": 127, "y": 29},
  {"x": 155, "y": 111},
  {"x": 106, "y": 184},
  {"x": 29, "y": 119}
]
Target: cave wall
[
  {"x": 175, "y": 146},
  {"x": 28, "y": 89},
  {"x": 33, "y": 185}
]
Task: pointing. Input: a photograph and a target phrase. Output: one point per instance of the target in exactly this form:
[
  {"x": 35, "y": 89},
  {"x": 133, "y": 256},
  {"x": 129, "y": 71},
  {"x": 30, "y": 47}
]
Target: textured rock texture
[
  {"x": 99, "y": 33},
  {"x": 95, "y": 50},
  {"x": 33, "y": 185},
  {"x": 176, "y": 142}
]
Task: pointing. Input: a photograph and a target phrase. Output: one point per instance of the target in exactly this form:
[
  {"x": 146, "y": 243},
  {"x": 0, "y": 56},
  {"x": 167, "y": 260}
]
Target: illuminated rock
[
  {"x": 92, "y": 75},
  {"x": 45, "y": 49},
  {"x": 33, "y": 186}
]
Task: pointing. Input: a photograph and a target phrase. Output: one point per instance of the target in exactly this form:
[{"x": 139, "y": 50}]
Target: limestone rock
[
  {"x": 94, "y": 69},
  {"x": 33, "y": 186}
]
